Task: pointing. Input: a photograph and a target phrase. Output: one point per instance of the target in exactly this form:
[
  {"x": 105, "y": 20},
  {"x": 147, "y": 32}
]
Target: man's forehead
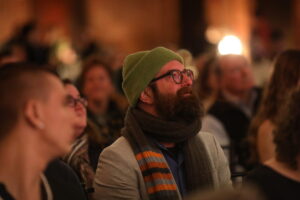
[{"x": 174, "y": 64}]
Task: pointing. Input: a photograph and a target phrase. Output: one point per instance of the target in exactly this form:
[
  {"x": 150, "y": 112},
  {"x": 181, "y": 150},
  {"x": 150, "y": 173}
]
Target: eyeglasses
[
  {"x": 73, "y": 102},
  {"x": 176, "y": 75}
]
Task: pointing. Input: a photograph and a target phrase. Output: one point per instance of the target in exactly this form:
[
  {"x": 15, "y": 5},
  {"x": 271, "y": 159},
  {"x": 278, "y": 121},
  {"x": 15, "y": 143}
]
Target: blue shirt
[{"x": 176, "y": 164}]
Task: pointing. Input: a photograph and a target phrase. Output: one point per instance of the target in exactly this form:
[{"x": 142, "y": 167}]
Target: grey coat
[{"x": 118, "y": 175}]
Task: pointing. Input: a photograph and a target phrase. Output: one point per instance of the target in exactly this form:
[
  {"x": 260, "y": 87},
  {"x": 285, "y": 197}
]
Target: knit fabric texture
[
  {"x": 141, "y": 67},
  {"x": 159, "y": 182}
]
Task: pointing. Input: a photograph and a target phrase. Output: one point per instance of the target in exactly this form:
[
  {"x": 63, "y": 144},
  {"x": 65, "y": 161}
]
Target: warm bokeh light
[
  {"x": 230, "y": 44},
  {"x": 214, "y": 34}
]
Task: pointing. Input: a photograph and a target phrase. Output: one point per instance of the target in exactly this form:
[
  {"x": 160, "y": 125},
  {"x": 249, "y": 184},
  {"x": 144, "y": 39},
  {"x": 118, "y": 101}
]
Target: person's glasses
[
  {"x": 176, "y": 75},
  {"x": 73, "y": 102}
]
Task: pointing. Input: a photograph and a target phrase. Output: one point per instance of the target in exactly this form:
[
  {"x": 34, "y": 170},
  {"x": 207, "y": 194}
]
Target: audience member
[
  {"x": 285, "y": 77},
  {"x": 207, "y": 84},
  {"x": 78, "y": 157},
  {"x": 13, "y": 52},
  {"x": 62, "y": 179},
  {"x": 229, "y": 117},
  {"x": 79, "y": 104},
  {"x": 105, "y": 108},
  {"x": 37, "y": 125},
  {"x": 279, "y": 177},
  {"x": 161, "y": 154}
]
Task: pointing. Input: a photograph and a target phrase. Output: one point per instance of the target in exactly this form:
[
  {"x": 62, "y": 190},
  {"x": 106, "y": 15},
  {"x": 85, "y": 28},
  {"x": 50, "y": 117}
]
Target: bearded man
[{"x": 162, "y": 154}]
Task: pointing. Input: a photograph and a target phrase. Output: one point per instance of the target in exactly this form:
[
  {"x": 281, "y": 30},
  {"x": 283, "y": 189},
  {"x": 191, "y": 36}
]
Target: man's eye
[{"x": 176, "y": 74}]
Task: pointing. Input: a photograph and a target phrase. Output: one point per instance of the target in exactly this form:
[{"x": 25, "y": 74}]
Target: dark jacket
[
  {"x": 236, "y": 124},
  {"x": 63, "y": 182}
]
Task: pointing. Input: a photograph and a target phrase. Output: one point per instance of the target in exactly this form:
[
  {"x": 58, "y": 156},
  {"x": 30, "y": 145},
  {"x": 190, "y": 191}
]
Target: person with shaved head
[{"x": 37, "y": 125}]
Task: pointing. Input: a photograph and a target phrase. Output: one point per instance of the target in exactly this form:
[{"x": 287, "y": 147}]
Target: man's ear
[
  {"x": 147, "y": 96},
  {"x": 34, "y": 114}
]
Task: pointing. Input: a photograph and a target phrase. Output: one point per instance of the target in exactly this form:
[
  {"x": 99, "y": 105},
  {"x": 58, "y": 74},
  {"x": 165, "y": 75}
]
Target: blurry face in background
[
  {"x": 97, "y": 85},
  {"x": 213, "y": 81},
  {"x": 79, "y": 109},
  {"x": 236, "y": 74}
]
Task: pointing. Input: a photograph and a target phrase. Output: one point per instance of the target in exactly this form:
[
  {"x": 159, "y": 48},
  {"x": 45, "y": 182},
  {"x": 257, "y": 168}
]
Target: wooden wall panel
[
  {"x": 134, "y": 24},
  {"x": 13, "y": 13}
]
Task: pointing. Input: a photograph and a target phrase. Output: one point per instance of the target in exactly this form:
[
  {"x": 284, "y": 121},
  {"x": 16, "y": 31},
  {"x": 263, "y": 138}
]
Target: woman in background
[
  {"x": 206, "y": 85},
  {"x": 105, "y": 108},
  {"x": 279, "y": 177},
  {"x": 285, "y": 78}
]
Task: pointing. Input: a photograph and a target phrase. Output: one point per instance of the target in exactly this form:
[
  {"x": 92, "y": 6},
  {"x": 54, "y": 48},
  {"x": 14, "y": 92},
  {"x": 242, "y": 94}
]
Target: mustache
[{"x": 184, "y": 90}]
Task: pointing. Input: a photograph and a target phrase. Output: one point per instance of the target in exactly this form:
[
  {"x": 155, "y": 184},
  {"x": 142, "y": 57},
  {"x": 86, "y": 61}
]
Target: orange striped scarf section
[{"x": 158, "y": 178}]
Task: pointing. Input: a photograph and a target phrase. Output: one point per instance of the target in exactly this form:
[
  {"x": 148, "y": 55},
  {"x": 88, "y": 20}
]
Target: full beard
[{"x": 183, "y": 106}]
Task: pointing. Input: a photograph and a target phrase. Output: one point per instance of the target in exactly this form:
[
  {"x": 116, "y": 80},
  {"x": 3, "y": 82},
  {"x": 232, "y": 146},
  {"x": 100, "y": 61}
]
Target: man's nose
[{"x": 187, "y": 81}]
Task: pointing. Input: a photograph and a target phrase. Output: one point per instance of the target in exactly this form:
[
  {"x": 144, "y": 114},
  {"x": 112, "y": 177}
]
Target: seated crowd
[{"x": 175, "y": 132}]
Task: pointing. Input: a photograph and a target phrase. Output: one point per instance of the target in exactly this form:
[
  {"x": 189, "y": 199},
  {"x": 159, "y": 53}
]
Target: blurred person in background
[
  {"x": 37, "y": 125},
  {"x": 35, "y": 38},
  {"x": 64, "y": 182},
  {"x": 207, "y": 85},
  {"x": 279, "y": 177},
  {"x": 105, "y": 108},
  {"x": 13, "y": 52},
  {"x": 79, "y": 104},
  {"x": 230, "y": 115},
  {"x": 285, "y": 78},
  {"x": 78, "y": 157}
]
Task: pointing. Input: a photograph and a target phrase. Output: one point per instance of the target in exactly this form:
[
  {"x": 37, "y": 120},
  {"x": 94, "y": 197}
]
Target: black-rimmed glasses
[
  {"x": 73, "y": 102},
  {"x": 177, "y": 75}
]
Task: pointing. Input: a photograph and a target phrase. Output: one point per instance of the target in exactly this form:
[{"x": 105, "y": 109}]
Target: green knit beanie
[{"x": 141, "y": 67}]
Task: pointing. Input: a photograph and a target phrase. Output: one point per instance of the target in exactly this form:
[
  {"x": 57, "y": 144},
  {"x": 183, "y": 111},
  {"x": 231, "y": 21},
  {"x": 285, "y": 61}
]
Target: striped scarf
[{"x": 159, "y": 181}]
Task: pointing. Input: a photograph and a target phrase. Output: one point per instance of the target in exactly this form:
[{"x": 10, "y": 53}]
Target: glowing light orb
[{"x": 230, "y": 44}]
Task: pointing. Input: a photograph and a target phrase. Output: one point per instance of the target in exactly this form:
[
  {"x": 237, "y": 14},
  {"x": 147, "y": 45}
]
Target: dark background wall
[{"x": 130, "y": 25}]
